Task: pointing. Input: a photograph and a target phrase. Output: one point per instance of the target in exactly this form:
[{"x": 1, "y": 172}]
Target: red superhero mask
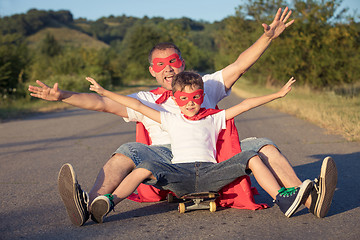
[
  {"x": 160, "y": 63},
  {"x": 183, "y": 98}
]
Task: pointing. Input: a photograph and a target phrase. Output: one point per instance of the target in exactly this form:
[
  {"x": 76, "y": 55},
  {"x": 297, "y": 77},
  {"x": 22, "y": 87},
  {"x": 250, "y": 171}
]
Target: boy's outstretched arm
[
  {"x": 125, "y": 100},
  {"x": 251, "y": 103},
  {"x": 248, "y": 58}
]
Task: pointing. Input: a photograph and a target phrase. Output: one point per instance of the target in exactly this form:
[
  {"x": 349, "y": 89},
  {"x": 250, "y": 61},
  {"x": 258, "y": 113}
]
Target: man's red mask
[
  {"x": 160, "y": 63},
  {"x": 183, "y": 98}
]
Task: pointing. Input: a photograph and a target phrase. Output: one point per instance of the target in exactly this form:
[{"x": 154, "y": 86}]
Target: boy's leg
[
  {"x": 124, "y": 160},
  {"x": 288, "y": 199},
  {"x": 273, "y": 159},
  {"x": 264, "y": 176},
  {"x": 319, "y": 200},
  {"x": 102, "y": 205},
  {"x": 248, "y": 162}
]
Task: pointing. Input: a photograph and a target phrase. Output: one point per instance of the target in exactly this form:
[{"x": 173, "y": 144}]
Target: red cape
[{"x": 238, "y": 194}]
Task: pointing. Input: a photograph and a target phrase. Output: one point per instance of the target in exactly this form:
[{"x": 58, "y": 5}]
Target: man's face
[{"x": 165, "y": 75}]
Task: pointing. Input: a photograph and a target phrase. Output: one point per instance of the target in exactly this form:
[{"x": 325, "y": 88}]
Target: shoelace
[
  {"x": 316, "y": 185},
  {"x": 83, "y": 196},
  {"x": 286, "y": 192}
]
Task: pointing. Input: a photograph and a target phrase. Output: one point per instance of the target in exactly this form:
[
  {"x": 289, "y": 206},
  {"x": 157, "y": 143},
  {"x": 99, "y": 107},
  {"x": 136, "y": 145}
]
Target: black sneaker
[
  {"x": 324, "y": 188},
  {"x": 101, "y": 206},
  {"x": 290, "y": 199},
  {"x": 74, "y": 198}
]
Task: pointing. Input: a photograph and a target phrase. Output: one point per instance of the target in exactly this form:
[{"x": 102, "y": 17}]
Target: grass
[{"x": 336, "y": 113}]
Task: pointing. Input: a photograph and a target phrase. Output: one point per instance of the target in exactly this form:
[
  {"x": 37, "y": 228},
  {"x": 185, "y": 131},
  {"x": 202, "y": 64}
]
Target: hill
[{"x": 67, "y": 37}]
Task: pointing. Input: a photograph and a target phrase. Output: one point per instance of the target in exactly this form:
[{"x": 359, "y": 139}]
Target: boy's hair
[
  {"x": 163, "y": 46},
  {"x": 186, "y": 78}
]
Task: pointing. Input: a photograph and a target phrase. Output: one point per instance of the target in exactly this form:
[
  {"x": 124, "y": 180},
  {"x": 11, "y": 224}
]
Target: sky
[{"x": 207, "y": 10}]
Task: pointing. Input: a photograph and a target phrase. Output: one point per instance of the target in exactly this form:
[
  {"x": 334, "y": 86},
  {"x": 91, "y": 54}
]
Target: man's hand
[
  {"x": 279, "y": 24},
  {"x": 287, "y": 87},
  {"x": 45, "y": 92},
  {"x": 95, "y": 86}
]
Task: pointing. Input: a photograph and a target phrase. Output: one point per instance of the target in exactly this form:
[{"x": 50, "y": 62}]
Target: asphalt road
[{"x": 32, "y": 151}]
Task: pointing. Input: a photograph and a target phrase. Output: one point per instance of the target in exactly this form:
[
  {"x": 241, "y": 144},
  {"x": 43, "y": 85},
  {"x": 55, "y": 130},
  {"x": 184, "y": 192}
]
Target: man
[{"x": 165, "y": 63}]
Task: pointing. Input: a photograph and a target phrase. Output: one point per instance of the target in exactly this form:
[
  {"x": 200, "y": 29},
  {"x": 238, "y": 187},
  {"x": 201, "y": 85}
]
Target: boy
[{"x": 193, "y": 137}]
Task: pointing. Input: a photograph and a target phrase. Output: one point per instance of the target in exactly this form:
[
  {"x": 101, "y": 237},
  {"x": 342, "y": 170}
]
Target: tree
[
  {"x": 13, "y": 62},
  {"x": 49, "y": 46}
]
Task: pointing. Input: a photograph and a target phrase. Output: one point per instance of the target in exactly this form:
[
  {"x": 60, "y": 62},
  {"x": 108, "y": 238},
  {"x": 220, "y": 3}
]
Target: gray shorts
[
  {"x": 184, "y": 178},
  {"x": 255, "y": 144},
  {"x": 139, "y": 152}
]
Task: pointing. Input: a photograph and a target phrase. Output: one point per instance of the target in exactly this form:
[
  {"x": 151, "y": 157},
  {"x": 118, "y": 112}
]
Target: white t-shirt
[
  {"x": 193, "y": 141},
  {"x": 214, "y": 91}
]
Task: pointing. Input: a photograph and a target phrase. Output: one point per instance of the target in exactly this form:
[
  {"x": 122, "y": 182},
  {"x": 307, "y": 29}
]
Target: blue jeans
[
  {"x": 185, "y": 178},
  {"x": 157, "y": 159}
]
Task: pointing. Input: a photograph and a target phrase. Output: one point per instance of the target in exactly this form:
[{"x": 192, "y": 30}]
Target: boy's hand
[
  {"x": 95, "y": 86},
  {"x": 279, "y": 24},
  {"x": 287, "y": 87},
  {"x": 45, "y": 92}
]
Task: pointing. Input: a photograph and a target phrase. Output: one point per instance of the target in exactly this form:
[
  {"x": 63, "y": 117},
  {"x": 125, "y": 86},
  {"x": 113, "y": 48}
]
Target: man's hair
[
  {"x": 163, "y": 46},
  {"x": 186, "y": 78}
]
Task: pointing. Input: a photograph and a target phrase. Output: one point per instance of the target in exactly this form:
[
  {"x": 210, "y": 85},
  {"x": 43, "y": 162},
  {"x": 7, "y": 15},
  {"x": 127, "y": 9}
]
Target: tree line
[{"x": 321, "y": 49}]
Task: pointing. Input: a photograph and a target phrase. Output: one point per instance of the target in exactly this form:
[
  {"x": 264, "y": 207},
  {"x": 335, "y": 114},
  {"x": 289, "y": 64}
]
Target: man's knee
[{"x": 268, "y": 148}]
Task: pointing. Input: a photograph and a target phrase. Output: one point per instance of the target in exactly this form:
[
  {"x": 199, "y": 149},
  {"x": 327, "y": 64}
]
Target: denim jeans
[{"x": 184, "y": 178}]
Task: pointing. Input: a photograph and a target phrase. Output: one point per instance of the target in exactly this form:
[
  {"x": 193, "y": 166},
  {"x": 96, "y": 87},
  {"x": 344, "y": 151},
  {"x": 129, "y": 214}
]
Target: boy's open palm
[
  {"x": 287, "y": 87},
  {"x": 95, "y": 86}
]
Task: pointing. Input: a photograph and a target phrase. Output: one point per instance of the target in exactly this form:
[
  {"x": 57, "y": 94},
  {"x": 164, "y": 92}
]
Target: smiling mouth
[{"x": 169, "y": 78}]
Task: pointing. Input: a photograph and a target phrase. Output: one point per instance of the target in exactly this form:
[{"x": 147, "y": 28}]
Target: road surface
[{"x": 32, "y": 151}]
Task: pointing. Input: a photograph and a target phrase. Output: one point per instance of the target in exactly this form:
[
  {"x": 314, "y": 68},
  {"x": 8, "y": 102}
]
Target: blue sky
[{"x": 208, "y": 10}]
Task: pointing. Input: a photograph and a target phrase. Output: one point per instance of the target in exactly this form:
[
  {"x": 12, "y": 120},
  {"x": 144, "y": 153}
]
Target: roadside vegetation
[
  {"x": 321, "y": 50},
  {"x": 337, "y": 113}
]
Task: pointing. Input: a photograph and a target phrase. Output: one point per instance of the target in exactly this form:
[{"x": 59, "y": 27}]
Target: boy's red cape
[{"x": 238, "y": 194}]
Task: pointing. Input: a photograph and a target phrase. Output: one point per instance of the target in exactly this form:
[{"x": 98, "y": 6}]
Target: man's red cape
[{"x": 238, "y": 194}]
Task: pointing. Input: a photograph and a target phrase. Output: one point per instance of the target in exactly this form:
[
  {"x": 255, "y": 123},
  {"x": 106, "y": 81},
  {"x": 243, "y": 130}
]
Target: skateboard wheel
[
  {"x": 212, "y": 206},
  {"x": 211, "y": 195},
  {"x": 181, "y": 208}
]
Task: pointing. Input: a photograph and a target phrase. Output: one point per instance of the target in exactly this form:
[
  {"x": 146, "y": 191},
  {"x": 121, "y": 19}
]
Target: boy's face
[
  {"x": 189, "y": 100},
  {"x": 166, "y": 64}
]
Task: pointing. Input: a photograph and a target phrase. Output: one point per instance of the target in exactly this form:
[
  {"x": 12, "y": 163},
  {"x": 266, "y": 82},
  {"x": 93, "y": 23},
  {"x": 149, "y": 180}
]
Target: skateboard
[{"x": 195, "y": 201}]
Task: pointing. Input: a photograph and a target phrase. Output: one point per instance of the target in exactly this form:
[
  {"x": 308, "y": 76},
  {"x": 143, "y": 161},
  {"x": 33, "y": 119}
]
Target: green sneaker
[
  {"x": 290, "y": 199},
  {"x": 324, "y": 188},
  {"x": 101, "y": 206}
]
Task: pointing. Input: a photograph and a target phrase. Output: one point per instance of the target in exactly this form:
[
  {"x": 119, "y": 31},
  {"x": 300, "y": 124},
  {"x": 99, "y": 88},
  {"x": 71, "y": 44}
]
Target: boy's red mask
[
  {"x": 172, "y": 60},
  {"x": 189, "y": 97}
]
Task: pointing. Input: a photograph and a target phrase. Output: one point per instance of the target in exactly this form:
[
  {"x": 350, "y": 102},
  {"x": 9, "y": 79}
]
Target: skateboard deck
[{"x": 195, "y": 201}]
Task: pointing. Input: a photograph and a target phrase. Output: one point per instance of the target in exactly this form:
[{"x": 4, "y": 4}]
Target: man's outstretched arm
[
  {"x": 90, "y": 101},
  {"x": 248, "y": 58}
]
